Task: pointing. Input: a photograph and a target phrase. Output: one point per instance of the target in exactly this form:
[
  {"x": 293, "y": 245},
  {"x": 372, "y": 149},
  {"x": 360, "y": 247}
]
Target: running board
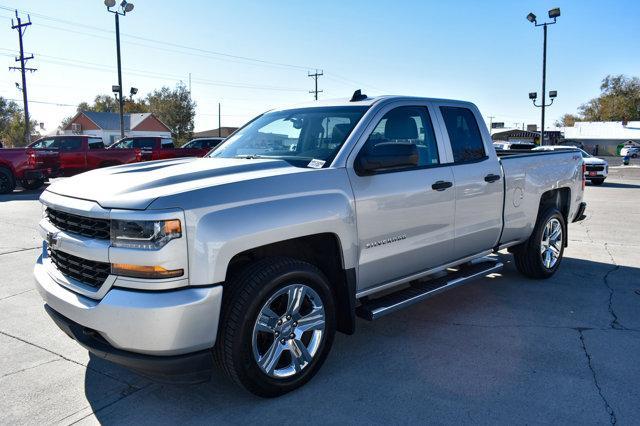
[{"x": 371, "y": 309}]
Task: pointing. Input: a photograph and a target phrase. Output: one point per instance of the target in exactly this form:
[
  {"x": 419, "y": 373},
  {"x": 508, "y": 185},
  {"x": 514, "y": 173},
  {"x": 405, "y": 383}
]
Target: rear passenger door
[
  {"x": 405, "y": 224},
  {"x": 72, "y": 156},
  {"x": 477, "y": 178}
]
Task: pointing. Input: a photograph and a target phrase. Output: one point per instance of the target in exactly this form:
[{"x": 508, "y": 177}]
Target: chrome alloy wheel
[
  {"x": 551, "y": 244},
  {"x": 288, "y": 331}
]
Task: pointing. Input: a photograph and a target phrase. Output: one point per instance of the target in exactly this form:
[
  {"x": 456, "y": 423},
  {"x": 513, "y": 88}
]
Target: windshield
[{"x": 297, "y": 136}]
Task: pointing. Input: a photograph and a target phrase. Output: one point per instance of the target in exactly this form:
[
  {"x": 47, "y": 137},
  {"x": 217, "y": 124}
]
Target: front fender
[{"x": 222, "y": 234}]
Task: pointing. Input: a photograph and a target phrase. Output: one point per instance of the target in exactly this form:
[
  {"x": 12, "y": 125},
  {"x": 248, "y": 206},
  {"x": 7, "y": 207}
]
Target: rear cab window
[
  {"x": 96, "y": 143},
  {"x": 464, "y": 134},
  {"x": 166, "y": 144}
]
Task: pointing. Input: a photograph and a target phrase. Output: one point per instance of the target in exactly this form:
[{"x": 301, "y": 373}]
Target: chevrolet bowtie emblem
[{"x": 52, "y": 239}]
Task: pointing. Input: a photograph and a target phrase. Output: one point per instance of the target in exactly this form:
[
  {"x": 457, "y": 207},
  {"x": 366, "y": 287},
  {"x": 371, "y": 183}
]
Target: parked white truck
[{"x": 302, "y": 220}]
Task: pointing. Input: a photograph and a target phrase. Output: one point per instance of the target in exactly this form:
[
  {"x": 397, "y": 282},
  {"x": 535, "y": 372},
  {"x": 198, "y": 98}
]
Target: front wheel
[
  {"x": 31, "y": 184},
  {"x": 540, "y": 256},
  {"x": 277, "y": 326},
  {"x": 7, "y": 182}
]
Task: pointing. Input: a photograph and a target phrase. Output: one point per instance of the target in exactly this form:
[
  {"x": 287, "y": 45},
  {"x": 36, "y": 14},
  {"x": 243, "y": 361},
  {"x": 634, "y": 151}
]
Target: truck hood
[
  {"x": 594, "y": 160},
  {"x": 136, "y": 186}
]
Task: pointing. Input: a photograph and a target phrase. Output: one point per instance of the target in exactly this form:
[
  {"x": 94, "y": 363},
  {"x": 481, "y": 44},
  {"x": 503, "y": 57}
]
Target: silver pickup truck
[{"x": 253, "y": 257}]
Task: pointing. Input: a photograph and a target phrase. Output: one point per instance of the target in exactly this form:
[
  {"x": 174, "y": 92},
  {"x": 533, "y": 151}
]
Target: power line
[
  {"x": 207, "y": 53},
  {"x": 315, "y": 78}
]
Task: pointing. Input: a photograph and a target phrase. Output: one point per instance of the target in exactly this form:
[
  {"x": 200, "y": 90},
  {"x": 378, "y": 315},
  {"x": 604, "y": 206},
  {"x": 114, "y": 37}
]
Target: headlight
[{"x": 144, "y": 234}]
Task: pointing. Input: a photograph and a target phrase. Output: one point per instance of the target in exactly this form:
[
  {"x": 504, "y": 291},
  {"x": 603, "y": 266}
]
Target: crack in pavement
[
  {"x": 16, "y": 294},
  {"x": 130, "y": 390},
  {"x": 615, "y": 323},
  {"x": 67, "y": 359},
  {"x": 608, "y": 408},
  {"x": 29, "y": 368},
  {"x": 20, "y": 250}
]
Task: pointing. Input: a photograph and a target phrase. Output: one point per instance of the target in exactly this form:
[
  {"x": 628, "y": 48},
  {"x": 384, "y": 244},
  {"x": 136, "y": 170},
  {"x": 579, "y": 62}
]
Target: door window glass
[
  {"x": 464, "y": 134},
  {"x": 96, "y": 143},
  {"x": 408, "y": 125}
]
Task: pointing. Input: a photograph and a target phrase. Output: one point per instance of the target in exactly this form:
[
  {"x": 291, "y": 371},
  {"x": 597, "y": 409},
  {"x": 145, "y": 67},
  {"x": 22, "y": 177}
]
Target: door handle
[
  {"x": 491, "y": 178},
  {"x": 441, "y": 185}
]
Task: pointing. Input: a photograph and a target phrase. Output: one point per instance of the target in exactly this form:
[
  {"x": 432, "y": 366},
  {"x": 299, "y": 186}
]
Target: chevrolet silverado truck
[
  {"x": 81, "y": 153},
  {"x": 253, "y": 257},
  {"x": 27, "y": 167}
]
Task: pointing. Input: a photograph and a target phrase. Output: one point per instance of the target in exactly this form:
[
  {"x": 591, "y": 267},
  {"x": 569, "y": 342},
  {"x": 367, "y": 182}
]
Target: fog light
[{"x": 150, "y": 272}]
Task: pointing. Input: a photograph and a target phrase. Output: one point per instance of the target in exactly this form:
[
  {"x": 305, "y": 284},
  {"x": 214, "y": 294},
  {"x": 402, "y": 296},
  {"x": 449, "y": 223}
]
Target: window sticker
[{"x": 316, "y": 164}]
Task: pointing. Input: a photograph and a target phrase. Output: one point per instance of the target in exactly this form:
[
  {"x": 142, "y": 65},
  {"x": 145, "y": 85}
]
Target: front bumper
[
  {"x": 188, "y": 368},
  {"x": 156, "y": 323}
]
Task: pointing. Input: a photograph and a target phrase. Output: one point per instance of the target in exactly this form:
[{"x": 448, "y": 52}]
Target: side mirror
[{"x": 386, "y": 156}]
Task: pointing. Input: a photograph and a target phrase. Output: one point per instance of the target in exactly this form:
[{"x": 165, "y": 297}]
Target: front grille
[
  {"x": 86, "y": 226},
  {"x": 89, "y": 272},
  {"x": 595, "y": 168}
]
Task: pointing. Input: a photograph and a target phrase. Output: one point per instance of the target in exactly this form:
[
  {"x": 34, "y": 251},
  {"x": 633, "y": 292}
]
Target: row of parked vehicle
[{"x": 68, "y": 155}]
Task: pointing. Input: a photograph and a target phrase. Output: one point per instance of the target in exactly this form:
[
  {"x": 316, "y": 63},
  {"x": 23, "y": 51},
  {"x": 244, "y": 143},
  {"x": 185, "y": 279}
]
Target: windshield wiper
[{"x": 249, "y": 156}]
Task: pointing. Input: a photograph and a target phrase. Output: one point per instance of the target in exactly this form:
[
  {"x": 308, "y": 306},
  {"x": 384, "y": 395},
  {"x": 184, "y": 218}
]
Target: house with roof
[
  {"x": 214, "y": 133},
  {"x": 106, "y": 125}
]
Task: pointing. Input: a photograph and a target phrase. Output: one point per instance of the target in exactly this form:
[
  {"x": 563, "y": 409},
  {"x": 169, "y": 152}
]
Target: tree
[
  {"x": 12, "y": 124},
  {"x": 567, "y": 120},
  {"x": 175, "y": 109},
  {"x": 619, "y": 100}
]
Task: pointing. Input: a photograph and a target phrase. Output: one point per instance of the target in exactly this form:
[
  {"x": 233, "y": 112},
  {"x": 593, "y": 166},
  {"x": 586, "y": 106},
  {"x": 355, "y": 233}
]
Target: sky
[{"x": 251, "y": 56}]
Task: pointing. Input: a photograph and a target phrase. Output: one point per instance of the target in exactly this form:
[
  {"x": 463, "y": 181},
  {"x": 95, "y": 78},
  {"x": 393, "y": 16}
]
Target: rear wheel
[
  {"x": 31, "y": 184},
  {"x": 7, "y": 182},
  {"x": 597, "y": 182},
  {"x": 277, "y": 326},
  {"x": 541, "y": 254}
]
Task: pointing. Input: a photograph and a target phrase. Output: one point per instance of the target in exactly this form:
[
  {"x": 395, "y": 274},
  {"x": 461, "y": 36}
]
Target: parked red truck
[
  {"x": 81, "y": 153},
  {"x": 156, "y": 148},
  {"x": 27, "y": 167}
]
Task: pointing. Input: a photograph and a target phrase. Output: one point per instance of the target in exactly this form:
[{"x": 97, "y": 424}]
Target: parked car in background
[
  {"x": 203, "y": 145},
  {"x": 27, "y": 167},
  {"x": 258, "y": 253},
  {"x": 596, "y": 169},
  {"x": 155, "y": 148},
  {"x": 81, "y": 153},
  {"x": 631, "y": 151},
  {"x": 504, "y": 145}
]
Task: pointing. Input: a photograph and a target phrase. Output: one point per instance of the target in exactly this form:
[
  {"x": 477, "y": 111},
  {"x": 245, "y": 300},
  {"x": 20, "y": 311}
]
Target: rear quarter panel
[{"x": 527, "y": 177}]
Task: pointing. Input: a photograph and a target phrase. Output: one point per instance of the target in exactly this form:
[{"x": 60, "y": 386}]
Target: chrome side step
[{"x": 371, "y": 309}]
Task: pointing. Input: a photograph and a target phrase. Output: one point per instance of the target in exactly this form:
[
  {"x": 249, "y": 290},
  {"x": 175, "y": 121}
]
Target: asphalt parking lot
[{"x": 504, "y": 349}]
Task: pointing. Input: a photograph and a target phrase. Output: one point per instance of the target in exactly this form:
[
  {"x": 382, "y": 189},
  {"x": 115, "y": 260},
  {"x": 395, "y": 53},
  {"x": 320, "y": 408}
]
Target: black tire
[
  {"x": 634, "y": 156},
  {"x": 528, "y": 257},
  {"x": 31, "y": 184},
  {"x": 244, "y": 297},
  {"x": 7, "y": 181},
  {"x": 597, "y": 182}
]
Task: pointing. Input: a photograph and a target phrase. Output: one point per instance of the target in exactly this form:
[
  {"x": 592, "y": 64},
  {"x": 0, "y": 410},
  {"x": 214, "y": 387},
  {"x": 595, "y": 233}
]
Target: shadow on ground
[
  {"x": 22, "y": 194},
  {"x": 504, "y": 341}
]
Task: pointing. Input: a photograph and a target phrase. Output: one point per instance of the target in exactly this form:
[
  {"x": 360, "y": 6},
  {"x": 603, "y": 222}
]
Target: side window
[
  {"x": 167, "y": 144},
  {"x": 408, "y": 125},
  {"x": 70, "y": 144},
  {"x": 464, "y": 134},
  {"x": 144, "y": 143},
  {"x": 45, "y": 143},
  {"x": 96, "y": 143}
]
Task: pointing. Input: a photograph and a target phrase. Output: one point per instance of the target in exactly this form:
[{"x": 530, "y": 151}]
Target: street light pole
[
  {"x": 554, "y": 14},
  {"x": 124, "y": 8},
  {"x": 120, "y": 98}
]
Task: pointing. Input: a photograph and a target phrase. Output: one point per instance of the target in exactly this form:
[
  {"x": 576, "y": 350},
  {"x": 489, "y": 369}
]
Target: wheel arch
[{"x": 324, "y": 251}]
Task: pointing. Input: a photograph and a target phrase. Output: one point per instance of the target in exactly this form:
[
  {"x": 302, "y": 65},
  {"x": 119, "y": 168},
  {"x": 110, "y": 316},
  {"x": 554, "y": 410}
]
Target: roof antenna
[{"x": 358, "y": 96}]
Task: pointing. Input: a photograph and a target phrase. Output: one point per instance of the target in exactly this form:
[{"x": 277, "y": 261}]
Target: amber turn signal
[{"x": 150, "y": 272}]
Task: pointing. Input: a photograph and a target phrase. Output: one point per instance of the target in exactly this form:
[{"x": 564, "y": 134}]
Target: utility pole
[
  {"x": 21, "y": 27},
  {"x": 219, "y": 121},
  {"x": 189, "y": 84},
  {"x": 491, "y": 117},
  {"x": 315, "y": 77}
]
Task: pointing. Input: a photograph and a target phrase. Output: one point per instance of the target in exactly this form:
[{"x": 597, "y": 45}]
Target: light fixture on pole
[
  {"x": 124, "y": 8},
  {"x": 553, "y": 14}
]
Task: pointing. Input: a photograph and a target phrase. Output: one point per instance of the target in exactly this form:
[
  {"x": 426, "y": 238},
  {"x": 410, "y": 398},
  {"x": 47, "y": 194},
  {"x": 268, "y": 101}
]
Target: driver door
[{"x": 405, "y": 217}]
